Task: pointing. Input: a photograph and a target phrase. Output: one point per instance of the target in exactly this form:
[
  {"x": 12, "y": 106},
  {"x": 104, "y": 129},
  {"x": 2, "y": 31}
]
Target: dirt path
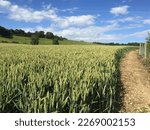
[{"x": 136, "y": 82}]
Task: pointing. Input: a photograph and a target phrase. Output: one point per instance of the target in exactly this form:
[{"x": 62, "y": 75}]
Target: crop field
[{"x": 59, "y": 78}]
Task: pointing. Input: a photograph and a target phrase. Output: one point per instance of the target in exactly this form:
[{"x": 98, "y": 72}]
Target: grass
[{"x": 43, "y": 41}]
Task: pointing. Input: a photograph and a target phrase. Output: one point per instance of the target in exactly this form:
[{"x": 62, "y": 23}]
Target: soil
[{"x": 135, "y": 79}]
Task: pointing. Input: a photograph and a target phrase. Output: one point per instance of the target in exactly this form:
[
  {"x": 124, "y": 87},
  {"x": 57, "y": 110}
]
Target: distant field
[{"x": 43, "y": 41}]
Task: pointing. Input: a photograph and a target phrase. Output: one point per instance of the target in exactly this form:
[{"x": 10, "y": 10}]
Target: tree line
[
  {"x": 116, "y": 44},
  {"x": 8, "y": 33},
  {"x": 40, "y": 34}
]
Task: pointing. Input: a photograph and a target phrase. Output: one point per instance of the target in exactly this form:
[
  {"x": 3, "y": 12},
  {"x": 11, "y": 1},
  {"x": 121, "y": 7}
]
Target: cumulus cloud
[
  {"x": 30, "y": 15},
  {"x": 120, "y": 10},
  {"x": 27, "y": 14},
  {"x": 5, "y": 3},
  {"x": 81, "y": 20}
]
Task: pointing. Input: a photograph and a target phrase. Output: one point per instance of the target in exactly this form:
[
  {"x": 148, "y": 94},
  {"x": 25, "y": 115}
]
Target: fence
[{"x": 144, "y": 50}]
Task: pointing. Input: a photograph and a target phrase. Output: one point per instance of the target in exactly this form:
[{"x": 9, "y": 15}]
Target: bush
[
  {"x": 15, "y": 42},
  {"x": 4, "y": 41},
  {"x": 34, "y": 40},
  {"x": 55, "y": 41}
]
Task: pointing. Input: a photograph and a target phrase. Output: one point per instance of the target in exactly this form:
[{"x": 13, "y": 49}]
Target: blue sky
[{"x": 89, "y": 20}]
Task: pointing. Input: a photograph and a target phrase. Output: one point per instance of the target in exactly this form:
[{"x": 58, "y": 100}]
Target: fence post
[
  {"x": 145, "y": 51},
  {"x": 140, "y": 49}
]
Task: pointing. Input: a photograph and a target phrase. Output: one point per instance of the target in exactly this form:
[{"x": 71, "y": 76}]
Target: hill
[{"x": 42, "y": 41}]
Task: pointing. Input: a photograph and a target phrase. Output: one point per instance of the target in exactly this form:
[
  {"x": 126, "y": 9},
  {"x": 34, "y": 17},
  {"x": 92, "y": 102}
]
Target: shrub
[
  {"x": 34, "y": 40},
  {"x": 15, "y": 42},
  {"x": 4, "y": 41},
  {"x": 55, "y": 41}
]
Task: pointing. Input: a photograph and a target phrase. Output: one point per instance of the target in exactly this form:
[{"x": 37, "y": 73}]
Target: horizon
[{"x": 119, "y": 21}]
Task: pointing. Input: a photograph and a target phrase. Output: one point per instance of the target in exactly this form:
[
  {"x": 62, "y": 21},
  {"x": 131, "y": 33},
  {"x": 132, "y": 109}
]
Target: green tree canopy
[
  {"x": 148, "y": 38},
  {"x": 5, "y": 32},
  {"x": 49, "y": 35}
]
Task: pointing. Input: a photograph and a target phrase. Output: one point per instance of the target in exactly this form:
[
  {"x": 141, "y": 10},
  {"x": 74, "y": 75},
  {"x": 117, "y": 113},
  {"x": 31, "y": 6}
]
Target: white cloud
[
  {"x": 70, "y": 10},
  {"x": 29, "y": 15},
  {"x": 82, "y": 20},
  {"x": 130, "y": 21},
  {"x": 90, "y": 33},
  {"x": 28, "y": 29},
  {"x": 123, "y": 20},
  {"x": 146, "y": 21},
  {"x": 141, "y": 34},
  {"x": 5, "y": 3},
  {"x": 47, "y": 29},
  {"x": 120, "y": 10}
]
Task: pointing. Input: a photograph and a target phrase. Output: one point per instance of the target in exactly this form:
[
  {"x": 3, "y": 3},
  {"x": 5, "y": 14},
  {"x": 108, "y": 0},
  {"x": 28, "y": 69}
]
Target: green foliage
[
  {"x": 40, "y": 34},
  {"x": 19, "y": 32},
  {"x": 55, "y": 41},
  {"x": 34, "y": 40},
  {"x": 148, "y": 38},
  {"x": 148, "y": 46},
  {"x": 5, "y": 32},
  {"x": 49, "y": 35},
  {"x": 58, "y": 78},
  {"x": 146, "y": 61},
  {"x": 148, "y": 42}
]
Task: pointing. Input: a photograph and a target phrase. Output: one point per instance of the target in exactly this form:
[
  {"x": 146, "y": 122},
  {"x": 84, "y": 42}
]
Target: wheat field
[{"x": 41, "y": 79}]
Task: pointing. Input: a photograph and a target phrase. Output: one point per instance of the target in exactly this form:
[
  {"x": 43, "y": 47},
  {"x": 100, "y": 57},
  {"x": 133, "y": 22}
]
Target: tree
[
  {"x": 55, "y": 41},
  {"x": 29, "y": 34},
  {"x": 34, "y": 40},
  {"x": 148, "y": 44},
  {"x": 40, "y": 34},
  {"x": 148, "y": 38},
  {"x": 49, "y": 35},
  {"x": 18, "y": 32},
  {"x": 5, "y": 32}
]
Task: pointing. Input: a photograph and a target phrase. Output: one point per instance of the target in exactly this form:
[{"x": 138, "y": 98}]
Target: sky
[{"x": 120, "y": 21}]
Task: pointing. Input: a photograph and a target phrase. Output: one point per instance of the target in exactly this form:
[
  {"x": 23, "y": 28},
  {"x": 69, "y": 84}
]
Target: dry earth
[{"x": 136, "y": 83}]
